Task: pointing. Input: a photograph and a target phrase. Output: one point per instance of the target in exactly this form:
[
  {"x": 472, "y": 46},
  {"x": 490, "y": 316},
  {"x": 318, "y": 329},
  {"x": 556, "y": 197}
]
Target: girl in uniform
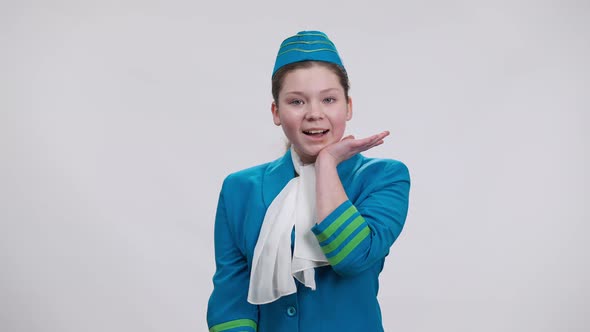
[{"x": 300, "y": 241}]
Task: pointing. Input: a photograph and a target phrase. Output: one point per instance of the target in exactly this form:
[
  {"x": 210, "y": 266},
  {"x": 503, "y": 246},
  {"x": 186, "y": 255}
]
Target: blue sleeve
[
  {"x": 228, "y": 309},
  {"x": 355, "y": 236}
]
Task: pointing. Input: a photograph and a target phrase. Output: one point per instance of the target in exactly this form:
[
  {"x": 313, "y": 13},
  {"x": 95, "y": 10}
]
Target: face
[{"x": 312, "y": 110}]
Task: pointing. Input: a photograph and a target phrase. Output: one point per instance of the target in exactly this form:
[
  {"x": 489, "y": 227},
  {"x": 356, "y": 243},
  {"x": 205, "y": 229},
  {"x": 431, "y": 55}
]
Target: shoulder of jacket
[
  {"x": 247, "y": 175},
  {"x": 383, "y": 166}
]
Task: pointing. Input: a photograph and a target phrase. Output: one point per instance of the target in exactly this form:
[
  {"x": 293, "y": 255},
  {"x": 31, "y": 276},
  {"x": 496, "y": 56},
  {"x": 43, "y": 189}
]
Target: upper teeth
[{"x": 315, "y": 131}]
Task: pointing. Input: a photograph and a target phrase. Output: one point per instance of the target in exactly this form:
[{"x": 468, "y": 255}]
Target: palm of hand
[{"x": 349, "y": 146}]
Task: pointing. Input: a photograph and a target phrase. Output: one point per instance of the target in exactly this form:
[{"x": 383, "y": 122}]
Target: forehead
[{"x": 313, "y": 79}]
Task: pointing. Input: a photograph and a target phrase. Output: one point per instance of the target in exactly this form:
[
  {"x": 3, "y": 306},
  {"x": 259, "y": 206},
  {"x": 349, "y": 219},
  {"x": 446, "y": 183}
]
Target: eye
[
  {"x": 329, "y": 100},
  {"x": 296, "y": 102}
]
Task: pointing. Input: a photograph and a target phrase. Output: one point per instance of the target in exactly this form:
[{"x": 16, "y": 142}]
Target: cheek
[
  {"x": 289, "y": 122},
  {"x": 338, "y": 133},
  {"x": 339, "y": 124}
]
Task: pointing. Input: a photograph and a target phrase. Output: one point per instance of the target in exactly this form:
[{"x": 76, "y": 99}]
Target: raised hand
[{"x": 349, "y": 146}]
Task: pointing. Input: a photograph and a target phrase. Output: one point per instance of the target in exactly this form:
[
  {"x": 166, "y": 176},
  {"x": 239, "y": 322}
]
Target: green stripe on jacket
[{"x": 233, "y": 324}]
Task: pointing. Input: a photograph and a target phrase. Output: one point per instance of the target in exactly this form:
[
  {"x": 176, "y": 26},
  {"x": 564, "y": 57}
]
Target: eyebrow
[
  {"x": 322, "y": 91},
  {"x": 329, "y": 89}
]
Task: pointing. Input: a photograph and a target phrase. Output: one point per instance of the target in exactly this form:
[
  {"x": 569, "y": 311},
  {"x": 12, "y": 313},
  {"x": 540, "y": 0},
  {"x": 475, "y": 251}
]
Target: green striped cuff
[
  {"x": 241, "y": 324},
  {"x": 341, "y": 232}
]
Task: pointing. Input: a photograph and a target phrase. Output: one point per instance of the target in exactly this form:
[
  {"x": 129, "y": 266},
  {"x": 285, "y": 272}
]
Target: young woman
[{"x": 300, "y": 241}]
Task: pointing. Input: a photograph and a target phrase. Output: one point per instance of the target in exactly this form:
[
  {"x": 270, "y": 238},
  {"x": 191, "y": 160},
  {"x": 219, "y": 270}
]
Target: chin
[{"x": 307, "y": 155}]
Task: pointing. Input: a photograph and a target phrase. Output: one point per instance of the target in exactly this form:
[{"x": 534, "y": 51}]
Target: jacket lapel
[{"x": 275, "y": 178}]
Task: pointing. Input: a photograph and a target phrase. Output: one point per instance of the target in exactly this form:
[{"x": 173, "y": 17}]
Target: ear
[
  {"x": 275, "y": 113},
  {"x": 349, "y": 109}
]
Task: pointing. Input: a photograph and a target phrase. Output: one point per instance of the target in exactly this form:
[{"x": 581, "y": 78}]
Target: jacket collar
[{"x": 281, "y": 171}]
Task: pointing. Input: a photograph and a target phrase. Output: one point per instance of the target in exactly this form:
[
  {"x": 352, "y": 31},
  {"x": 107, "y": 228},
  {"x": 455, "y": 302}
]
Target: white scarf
[{"x": 273, "y": 268}]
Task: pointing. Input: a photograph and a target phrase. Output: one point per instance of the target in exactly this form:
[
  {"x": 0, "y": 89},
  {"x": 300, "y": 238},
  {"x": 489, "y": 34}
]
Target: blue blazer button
[{"x": 291, "y": 311}]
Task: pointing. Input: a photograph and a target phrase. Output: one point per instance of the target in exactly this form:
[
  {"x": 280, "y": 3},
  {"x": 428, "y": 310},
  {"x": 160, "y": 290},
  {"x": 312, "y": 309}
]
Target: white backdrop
[{"x": 120, "y": 119}]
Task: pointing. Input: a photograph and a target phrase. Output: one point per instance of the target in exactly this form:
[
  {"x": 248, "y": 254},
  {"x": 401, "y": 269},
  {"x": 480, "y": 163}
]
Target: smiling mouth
[{"x": 316, "y": 132}]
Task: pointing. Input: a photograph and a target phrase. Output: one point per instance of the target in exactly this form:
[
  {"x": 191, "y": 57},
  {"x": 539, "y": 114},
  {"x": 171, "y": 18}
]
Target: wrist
[{"x": 325, "y": 159}]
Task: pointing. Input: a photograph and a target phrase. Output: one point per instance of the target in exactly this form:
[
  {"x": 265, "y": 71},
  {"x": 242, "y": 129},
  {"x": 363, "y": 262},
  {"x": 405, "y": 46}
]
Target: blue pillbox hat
[{"x": 306, "y": 46}]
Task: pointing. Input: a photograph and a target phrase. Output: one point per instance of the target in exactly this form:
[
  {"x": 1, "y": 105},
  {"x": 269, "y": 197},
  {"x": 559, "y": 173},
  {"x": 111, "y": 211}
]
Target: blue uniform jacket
[{"x": 355, "y": 237}]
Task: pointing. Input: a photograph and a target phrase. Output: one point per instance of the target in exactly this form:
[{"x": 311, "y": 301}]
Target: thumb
[{"x": 348, "y": 137}]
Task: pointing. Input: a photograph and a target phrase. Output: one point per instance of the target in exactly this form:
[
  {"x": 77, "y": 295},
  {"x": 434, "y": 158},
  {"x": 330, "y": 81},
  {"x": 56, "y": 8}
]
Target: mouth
[{"x": 316, "y": 132}]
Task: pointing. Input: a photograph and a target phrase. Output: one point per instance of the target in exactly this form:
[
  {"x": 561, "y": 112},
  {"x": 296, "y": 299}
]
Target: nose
[{"x": 314, "y": 112}]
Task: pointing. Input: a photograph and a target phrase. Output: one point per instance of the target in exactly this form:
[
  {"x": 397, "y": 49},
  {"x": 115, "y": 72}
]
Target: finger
[
  {"x": 363, "y": 144},
  {"x": 348, "y": 137},
  {"x": 378, "y": 143},
  {"x": 383, "y": 134},
  {"x": 365, "y": 147},
  {"x": 380, "y": 135},
  {"x": 376, "y": 138},
  {"x": 369, "y": 147},
  {"x": 374, "y": 144}
]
